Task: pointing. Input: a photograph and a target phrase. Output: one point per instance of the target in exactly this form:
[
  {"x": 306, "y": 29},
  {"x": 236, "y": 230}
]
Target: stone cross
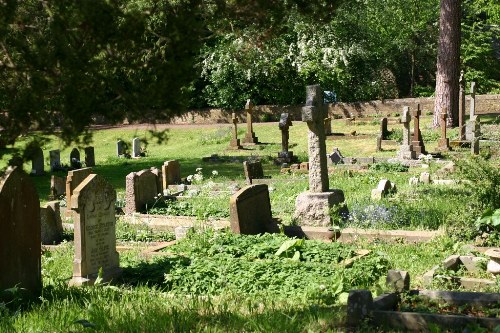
[
  {"x": 472, "y": 99},
  {"x": 444, "y": 143},
  {"x": 405, "y": 150},
  {"x": 285, "y": 156},
  {"x": 89, "y": 156},
  {"x": 20, "y": 232},
  {"x": 417, "y": 143},
  {"x": 55, "y": 159},
  {"x": 136, "y": 147},
  {"x": 37, "y": 167},
  {"x": 250, "y": 137},
  {"x": 93, "y": 204},
  {"x": 235, "y": 142},
  {"x": 314, "y": 114},
  {"x": 461, "y": 107}
]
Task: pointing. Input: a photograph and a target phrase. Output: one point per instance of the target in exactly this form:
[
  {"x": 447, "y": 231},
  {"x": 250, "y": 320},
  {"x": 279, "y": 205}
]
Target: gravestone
[
  {"x": 93, "y": 204},
  {"x": 120, "y": 148},
  {"x": 472, "y": 99},
  {"x": 250, "y": 138},
  {"x": 253, "y": 170},
  {"x": 336, "y": 157},
  {"x": 250, "y": 210},
  {"x": 140, "y": 189},
  {"x": 461, "y": 107},
  {"x": 171, "y": 173},
  {"x": 74, "y": 159},
  {"x": 384, "y": 188},
  {"x": 55, "y": 159},
  {"x": 159, "y": 179},
  {"x": 384, "y": 132},
  {"x": 476, "y": 134},
  {"x": 20, "y": 250},
  {"x": 235, "y": 142},
  {"x": 74, "y": 178},
  {"x": 136, "y": 147},
  {"x": 444, "y": 142},
  {"x": 57, "y": 187},
  {"x": 405, "y": 150},
  {"x": 417, "y": 143},
  {"x": 285, "y": 156},
  {"x": 89, "y": 156},
  {"x": 328, "y": 126},
  {"x": 37, "y": 167},
  {"x": 51, "y": 223},
  {"x": 312, "y": 207},
  {"x": 379, "y": 143}
]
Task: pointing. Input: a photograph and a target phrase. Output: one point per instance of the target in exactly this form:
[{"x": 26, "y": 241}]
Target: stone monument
[
  {"x": 406, "y": 150},
  {"x": 253, "y": 170},
  {"x": 55, "y": 159},
  {"x": 74, "y": 159},
  {"x": 250, "y": 210},
  {"x": 37, "y": 167},
  {"x": 171, "y": 173},
  {"x": 136, "y": 147},
  {"x": 51, "y": 223},
  {"x": 444, "y": 142},
  {"x": 250, "y": 138},
  {"x": 120, "y": 148},
  {"x": 89, "y": 156},
  {"x": 476, "y": 134},
  {"x": 93, "y": 203},
  {"x": 461, "y": 107},
  {"x": 312, "y": 207},
  {"x": 328, "y": 126},
  {"x": 20, "y": 235},
  {"x": 74, "y": 178},
  {"x": 285, "y": 156},
  {"x": 417, "y": 143},
  {"x": 235, "y": 142},
  {"x": 141, "y": 188}
]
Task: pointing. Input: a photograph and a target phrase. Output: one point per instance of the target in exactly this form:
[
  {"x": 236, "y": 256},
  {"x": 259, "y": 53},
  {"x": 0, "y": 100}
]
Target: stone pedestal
[{"x": 313, "y": 209}]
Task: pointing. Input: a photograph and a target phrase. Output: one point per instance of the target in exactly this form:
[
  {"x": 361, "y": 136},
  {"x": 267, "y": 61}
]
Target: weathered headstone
[
  {"x": 405, "y": 150},
  {"x": 379, "y": 143},
  {"x": 250, "y": 137},
  {"x": 74, "y": 178},
  {"x": 384, "y": 132},
  {"x": 74, "y": 159},
  {"x": 140, "y": 189},
  {"x": 171, "y": 173},
  {"x": 57, "y": 187},
  {"x": 476, "y": 134},
  {"x": 444, "y": 142},
  {"x": 417, "y": 143},
  {"x": 328, "y": 126},
  {"x": 461, "y": 107},
  {"x": 93, "y": 204},
  {"x": 425, "y": 178},
  {"x": 51, "y": 223},
  {"x": 159, "y": 179},
  {"x": 250, "y": 210},
  {"x": 336, "y": 157},
  {"x": 89, "y": 156},
  {"x": 285, "y": 156},
  {"x": 384, "y": 188},
  {"x": 120, "y": 148},
  {"x": 136, "y": 147},
  {"x": 359, "y": 306},
  {"x": 472, "y": 99},
  {"x": 20, "y": 244},
  {"x": 235, "y": 142},
  {"x": 253, "y": 170},
  {"x": 398, "y": 281},
  {"x": 55, "y": 159},
  {"x": 312, "y": 207},
  {"x": 37, "y": 167}
]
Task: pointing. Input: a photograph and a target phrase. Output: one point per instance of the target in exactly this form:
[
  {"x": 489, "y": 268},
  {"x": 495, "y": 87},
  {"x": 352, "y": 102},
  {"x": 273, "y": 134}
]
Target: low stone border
[
  {"x": 169, "y": 223},
  {"x": 352, "y": 234},
  {"x": 155, "y": 250}
]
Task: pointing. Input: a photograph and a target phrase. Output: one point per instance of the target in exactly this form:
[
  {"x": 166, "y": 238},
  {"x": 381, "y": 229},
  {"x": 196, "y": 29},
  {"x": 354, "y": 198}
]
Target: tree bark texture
[{"x": 448, "y": 63}]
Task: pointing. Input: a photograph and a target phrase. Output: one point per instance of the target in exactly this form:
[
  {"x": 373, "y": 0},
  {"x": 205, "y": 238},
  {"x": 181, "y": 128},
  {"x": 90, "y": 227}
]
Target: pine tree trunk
[{"x": 448, "y": 63}]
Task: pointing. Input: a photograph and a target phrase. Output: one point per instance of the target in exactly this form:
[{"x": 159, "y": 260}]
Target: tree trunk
[{"x": 448, "y": 63}]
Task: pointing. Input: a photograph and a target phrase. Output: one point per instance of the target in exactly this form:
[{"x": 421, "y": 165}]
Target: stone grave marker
[
  {"x": 74, "y": 178},
  {"x": 140, "y": 189},
  {"x": 51, "y": 223},
  {"x": 89, "y": 156},
  {"x": 159, "y": 179},
  {"x": 74, "y": 159},
  {"x": 336, "y": 156},
  {"x": 171, "y": 173},
  {"x": 405, "y": 150},
  {"x": 312, "y": 207},
  {"x": 328, "y": 126},
  {"x": 235, "y": 142},
  {"x": 55, "y": 159},
  {"x": 444, "y": 142},
  {"x": 476, "y": 134},
  {"x": 250, "y": 138},
  {"x": 253, "y": 170},
  {"x": 417, "y": 143},
  {"x": 461, "y": 107},
  {"x": 37, "y": 163},
  {"x": 250, "y": 210},
  {"x": 93, "y": 204},
  {"x": 285, "y": 156},
  {"x": 472, "y": 99},
  {"x": 20, "y": 239},
  {"x": 384, "y": 132},
  {"x": 57, "y": 187},
  {"x": 384, "y": 188},
  {"x": 136, "y": 147},
  {"x": 120, "y": 148}
]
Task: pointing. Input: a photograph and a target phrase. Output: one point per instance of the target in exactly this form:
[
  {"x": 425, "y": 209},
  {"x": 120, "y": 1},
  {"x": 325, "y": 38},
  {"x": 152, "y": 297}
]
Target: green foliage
[
  {"x": 389, "y": 167},
  {"x": 140, "y": 233}
]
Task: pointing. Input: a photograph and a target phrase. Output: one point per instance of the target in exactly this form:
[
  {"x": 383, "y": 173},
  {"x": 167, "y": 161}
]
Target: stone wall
[{"x": 484, "y": 104}]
